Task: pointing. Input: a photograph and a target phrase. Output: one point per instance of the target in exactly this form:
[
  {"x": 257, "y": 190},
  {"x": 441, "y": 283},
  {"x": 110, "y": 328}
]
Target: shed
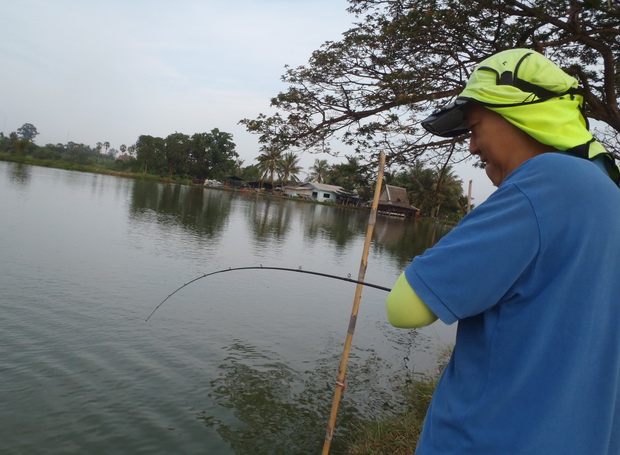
[{"x": 394, "y": 201}]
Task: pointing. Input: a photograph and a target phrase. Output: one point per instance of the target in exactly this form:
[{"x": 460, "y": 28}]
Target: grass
[
  {"x": 396, "y": 435},
  {"x": 399, "y": 435}
]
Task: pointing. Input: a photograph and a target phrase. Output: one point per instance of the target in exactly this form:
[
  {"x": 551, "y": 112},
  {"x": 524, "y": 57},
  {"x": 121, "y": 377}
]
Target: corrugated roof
[{"x": 323, "y": 187}]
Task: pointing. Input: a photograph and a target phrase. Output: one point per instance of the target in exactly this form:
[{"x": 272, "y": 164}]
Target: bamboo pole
[{"x": 340, "y": 382}]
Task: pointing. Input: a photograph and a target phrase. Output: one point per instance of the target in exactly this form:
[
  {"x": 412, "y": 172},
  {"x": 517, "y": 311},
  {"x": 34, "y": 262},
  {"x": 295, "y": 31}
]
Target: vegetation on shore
[{"x": 398, "y": 435}]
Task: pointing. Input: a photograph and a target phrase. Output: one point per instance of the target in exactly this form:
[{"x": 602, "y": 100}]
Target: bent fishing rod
[{"x": 282, "y": 269}]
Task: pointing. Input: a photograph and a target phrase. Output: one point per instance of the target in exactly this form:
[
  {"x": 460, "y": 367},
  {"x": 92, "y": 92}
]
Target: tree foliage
[
  {"x": 319, "y": 171},
  {"x": 201, "y": 156},
  {"x": 352, "y": 177},
  {"x": 289, "y": 168},
  {"x": 27, "y": 132},
  {"x": 436, "y": 193},
  {"x": 268, "y": 161},
  {"x": 405, "y": 58}
]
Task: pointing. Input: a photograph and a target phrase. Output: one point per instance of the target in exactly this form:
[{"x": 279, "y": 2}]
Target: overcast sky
[{"x": 94, "y": 71}]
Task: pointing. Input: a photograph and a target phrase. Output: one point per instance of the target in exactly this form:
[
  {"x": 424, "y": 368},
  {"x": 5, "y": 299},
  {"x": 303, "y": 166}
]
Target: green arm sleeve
[{"x": 405, "y": 309}]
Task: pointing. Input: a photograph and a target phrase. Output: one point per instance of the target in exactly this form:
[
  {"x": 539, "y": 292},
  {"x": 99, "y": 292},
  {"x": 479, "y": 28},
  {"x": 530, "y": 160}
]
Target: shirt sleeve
[
  {"x": 404, "y": 307},
  {"x": 479, "y": 262}
]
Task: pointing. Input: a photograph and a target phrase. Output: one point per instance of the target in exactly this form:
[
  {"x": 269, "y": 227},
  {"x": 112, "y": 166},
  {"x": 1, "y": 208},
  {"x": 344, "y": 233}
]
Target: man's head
[{"x": 534, "y": 95}]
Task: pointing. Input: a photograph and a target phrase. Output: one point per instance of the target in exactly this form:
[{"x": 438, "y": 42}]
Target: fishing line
[{"x": 283, "y": 269}]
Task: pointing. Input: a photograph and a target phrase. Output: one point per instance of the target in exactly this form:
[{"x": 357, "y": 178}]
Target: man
[{"x": 532, "y": 275}]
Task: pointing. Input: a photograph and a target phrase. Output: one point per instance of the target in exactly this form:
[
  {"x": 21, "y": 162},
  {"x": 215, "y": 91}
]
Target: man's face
[{"x": 492, "y": 139}]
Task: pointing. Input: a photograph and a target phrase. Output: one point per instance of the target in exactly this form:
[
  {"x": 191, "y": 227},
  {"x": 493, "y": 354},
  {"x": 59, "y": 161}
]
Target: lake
[{"x": 242, "y": 362}]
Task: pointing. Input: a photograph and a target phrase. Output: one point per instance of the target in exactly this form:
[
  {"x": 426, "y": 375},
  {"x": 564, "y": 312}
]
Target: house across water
[{"x": 322, "y": 192}]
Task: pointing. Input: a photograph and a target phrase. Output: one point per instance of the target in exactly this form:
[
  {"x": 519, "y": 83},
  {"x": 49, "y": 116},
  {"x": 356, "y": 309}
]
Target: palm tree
[
  {"x": 448, "y": 191},
  {"x": 268, "y": 161},
  {"x": 289, "y": 168},
  {"x": 319, "y": 170},
  {"x": 431, "y": 190},
  {"x": 239, "y": 167}
]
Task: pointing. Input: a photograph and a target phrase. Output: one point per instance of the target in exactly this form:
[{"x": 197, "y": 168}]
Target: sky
[{"x": 90, "y": 71}]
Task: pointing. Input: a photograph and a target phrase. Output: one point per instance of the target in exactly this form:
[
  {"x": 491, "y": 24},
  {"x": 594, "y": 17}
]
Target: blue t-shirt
[{"x": 533, "y": 277}]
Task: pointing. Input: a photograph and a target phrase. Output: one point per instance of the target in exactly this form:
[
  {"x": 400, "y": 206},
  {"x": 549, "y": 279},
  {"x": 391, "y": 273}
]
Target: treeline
[
  {"x": 20, "y": 144},
  {"x": 200, "y": 156},
  {"x": 212, "y": 155},
  {"x": 197, "y": 157}
]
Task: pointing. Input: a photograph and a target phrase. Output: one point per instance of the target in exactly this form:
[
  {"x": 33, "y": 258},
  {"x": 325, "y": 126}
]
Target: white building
[{"x": 318, "y": 191}]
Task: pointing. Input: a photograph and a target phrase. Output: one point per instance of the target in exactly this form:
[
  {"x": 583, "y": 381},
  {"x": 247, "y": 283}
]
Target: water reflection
[
  {"x": 207, "y": 212},
  {"x": 270, "y": 219},
  {"x": 274, "y": 409},
  {"x": 337, "y": 224},
  {"x": 202, "y": 211},
  {"x": 20, "y": 173},
  {"x": 405, "y": 239}
]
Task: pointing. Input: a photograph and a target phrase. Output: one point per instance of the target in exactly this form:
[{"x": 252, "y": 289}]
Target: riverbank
[
  {"x": 396, "y": 435},
  {"x": 92, "y": 168},
  {"x": 399, "y": 435},
  {"x": 102, "y": 169}
]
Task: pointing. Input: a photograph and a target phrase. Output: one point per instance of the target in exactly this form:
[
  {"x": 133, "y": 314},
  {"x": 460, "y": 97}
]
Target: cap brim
[{"x": 448, "y": 121}]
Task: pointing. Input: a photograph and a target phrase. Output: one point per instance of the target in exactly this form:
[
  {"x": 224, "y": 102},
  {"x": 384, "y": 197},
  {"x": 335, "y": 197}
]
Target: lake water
[{"x": 237, "y": 363}]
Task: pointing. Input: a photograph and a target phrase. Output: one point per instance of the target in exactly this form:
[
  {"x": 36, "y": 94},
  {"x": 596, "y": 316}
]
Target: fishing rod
[{"x": 283, "y": 269}]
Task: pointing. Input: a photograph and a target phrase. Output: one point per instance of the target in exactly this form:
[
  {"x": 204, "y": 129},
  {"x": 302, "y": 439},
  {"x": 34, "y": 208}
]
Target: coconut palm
[
  {"x": 239, "y": 167},
  {"x": 289, "y": 168},
  {"x": 268, "y": 161},
  {"x": 319, "y": 171},
  {"x": 433, "y": 192}
]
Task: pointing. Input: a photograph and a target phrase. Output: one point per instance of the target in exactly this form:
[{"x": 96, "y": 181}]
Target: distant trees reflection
[{"x": 278, "y": 223}]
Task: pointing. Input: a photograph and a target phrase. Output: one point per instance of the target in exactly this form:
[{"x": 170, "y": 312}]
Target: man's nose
[{"x": 473, "y": 147}]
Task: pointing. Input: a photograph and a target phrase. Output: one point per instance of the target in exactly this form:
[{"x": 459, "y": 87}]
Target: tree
[
  {"x": 213, "y": 155},
  {"x": 436, "y": 192},
  {"x": 319, "y": 170},
  {"x": 268, "y": 161},
  {"x": 239, "y": 167},
  {"x": 251, "y": 173},
  {"x": 177, "y": 148},
  {"x": 406, "y": 58},
  {"x": 351, "y": 176},
  {"x": 150, "y": 152},
  {"x": 289, "y": 168},
  {"x": 27, "y": 132}
]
